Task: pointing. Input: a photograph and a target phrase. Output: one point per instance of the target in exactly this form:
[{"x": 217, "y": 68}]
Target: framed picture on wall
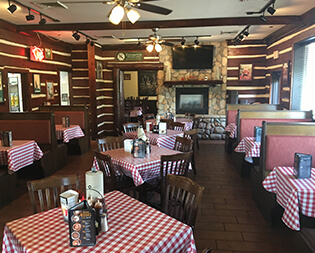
[
  {"x": 147, "y": 83},
  {"x": 1, "y": 89},
  {"x": 50, "y": 89},
  {"x": 48, "y": 54},
  {"x": 246, "y": 72},
  {"x": 99, "y": 70},
  {"x": 285, "y": 73},
  {"x": 36, "y": 83}
]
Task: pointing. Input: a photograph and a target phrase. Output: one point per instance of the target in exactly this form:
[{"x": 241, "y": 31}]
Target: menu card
[{"x": 82, "y": 225}]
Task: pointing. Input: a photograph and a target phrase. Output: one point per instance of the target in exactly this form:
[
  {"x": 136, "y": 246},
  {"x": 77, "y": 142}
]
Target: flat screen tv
[{"x": 191, "y": 57}]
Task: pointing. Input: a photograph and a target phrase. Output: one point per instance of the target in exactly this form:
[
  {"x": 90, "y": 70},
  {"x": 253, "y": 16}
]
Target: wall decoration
[
  {"x": 285, "y": 73},
  {"x": 147, "y": 83},
  {"x": 99, "y": 70},
  {"x": 246, "y": 71},
  {"x": 48, "y": 54},
  {"x": 36, "y": 83},
  {"x": 50, "y": 89},
  {"x": 127, "y": 76},
  {"x": 1, "y": 89},
  {"x": 36, "y": 54}
]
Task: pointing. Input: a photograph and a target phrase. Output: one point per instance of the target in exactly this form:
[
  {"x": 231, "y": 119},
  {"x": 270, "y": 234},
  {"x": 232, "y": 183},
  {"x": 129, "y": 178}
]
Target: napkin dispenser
[
  {"x": 302, "y": 165},
  {"x": 6, "y": 138},
  {"x": 257, "y": 133},
  {"x": 65, "y": 121},
  {"x": 82, "y": 225},
  {"x": 139, "y": 148}
]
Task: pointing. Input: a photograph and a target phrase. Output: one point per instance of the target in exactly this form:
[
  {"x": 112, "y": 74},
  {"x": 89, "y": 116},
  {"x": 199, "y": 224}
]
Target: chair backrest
[
  {"x": 130, "y": 127},
  {"x": 192, "y": 134},
  {"x": 48, "y": 189},
  {"x": 178, "y": 126},
  {"x": 105, "y": 164},
  {"x": 174, "y": 164},
  {"x": 183, "y": 144},
  {"x": 169, "y": 122},
  {"x": 110, "y": 142},
  {"x": 182, "y": 198}
]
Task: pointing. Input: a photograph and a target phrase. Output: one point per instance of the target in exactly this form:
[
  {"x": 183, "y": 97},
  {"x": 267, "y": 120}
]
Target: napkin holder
[
  {"x": 6, "y": 138},
  {"x": 162, "y": 128},
  {"x": 302, "y": 165},
  {"x": 68, "y": 199},
  {"x": 82, "y": 225},
  {"x": 65, "y": 121},
  {"x": 257, "y": 133},
  {"x": 139, "y": 148}
]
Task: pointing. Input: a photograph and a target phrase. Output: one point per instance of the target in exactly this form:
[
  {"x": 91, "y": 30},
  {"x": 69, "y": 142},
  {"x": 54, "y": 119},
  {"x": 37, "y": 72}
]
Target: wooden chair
[
  {"x": 178, "y": 126},
  {"x": 182, "y": 198},
  {"x": 48, "y": 190},
  {"x": 193, "y": 134},
  {"x": 113, "y": 180},
  {"x": 110, "y": 142},
  {"x": 130, "y": 127},
  {"x": 169, "y": 122},
  {"x": 183, "y": 144}
]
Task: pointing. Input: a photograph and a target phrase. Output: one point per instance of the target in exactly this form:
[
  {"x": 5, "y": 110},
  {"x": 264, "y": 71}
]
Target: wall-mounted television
[{"x": 190, "y": 57}]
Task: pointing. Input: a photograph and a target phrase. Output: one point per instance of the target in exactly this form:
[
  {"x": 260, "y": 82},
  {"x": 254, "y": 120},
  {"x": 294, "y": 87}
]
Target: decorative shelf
[{"x": 193, "y": 82}]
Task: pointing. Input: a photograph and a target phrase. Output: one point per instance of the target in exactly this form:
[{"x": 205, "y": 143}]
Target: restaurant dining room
[{"x": 157, "y": 126}]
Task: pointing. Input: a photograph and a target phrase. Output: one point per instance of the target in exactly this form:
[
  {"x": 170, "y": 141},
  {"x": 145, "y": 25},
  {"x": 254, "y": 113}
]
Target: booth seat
[{"x": 280, "y": 141}]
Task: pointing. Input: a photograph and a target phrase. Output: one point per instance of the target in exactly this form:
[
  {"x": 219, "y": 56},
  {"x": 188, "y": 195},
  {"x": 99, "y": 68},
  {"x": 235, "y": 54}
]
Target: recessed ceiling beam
[{"x": 271, "y": 20}]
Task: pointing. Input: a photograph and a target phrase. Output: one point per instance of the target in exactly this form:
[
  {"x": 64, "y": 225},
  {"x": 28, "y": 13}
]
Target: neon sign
[{"x": 37, "y": 54}]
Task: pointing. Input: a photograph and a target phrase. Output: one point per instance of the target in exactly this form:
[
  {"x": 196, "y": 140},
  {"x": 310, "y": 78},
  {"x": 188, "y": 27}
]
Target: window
[{"x": 303, "y": 88}]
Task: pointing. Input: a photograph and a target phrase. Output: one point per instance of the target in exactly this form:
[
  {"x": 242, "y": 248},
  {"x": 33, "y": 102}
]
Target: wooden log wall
[
  {"x": 248, "y": 52},
  {"x": 280, "y": 57},
  {"x": 15, "y": 58}
]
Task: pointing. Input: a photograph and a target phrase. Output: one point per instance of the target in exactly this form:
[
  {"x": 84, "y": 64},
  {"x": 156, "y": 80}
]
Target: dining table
[
  {"x": 68, "y": 133},
  {"x": 231, "y": 128},
  {"x": 188, "y": 122},
  {"x": 294, "y": 195},
  {"x": 21, "y": 154},
  {"x": 162, "y": 140},
  {"x": 132, "y": 227},
  {"x": 250, "y": 147},
  {"x": 139, "y": 169}
]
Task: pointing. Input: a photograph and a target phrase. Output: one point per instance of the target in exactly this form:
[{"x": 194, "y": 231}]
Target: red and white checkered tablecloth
[
  {"x": 20, "y": 154},
  {"x": 250, "y": 147},
  {"x": 294, "y": 195},
  {"x": 161, "y": 140},
  {"x": 133, "y": 227},
  {"x": 68, "y": 133},
  {"x": 139, "y": 169},
  {"x": 232, "y": 129}
]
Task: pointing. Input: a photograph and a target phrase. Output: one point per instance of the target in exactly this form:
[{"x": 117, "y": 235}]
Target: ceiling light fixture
[
  {"x": 246, "y": 33},
  {"x": 117, "y": 14},
  {"x": 158, "y": 47},
  {"x": 241, "y": 36},
  {"x": 149, "y": 48},
  {"x": 92, "y": 43},
  {"x": 196, "y": 41},
  {"x": 87, "y": 41},
  {"x": 271, "y": 9},
  {"x": 30, "y": 16},
  {"x": 132, "y": 15},
  {"x": 263, "y": 18},
  {"x": 12, "y": 7},
  {"x": 42, "y": 20},
  {"x": 76, "y": 36},
  {"x": 183, "y": 41}
]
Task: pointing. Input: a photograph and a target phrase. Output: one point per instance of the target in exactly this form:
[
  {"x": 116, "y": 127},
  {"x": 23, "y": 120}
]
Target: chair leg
[{"x": 193, "y": 164}]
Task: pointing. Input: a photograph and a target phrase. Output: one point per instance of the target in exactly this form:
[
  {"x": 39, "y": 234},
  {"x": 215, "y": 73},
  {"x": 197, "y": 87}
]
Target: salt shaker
[{"x": 104, "y": 223}]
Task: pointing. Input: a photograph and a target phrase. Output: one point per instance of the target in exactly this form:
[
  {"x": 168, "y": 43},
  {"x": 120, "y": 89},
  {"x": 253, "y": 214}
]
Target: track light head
[
  {"x": 246, "y": 33},
  {"x": 271, "y": 10},
  {"x": 12, "y": 8},
  {"x": 196, "y": 41},
  {"x": 241, "y": 37},
  {"x": 42, "y": 20},
  {"x": 263, "y": 18},
  {"x": 76, "y": 36},
  {"x": 87, "y": 41},
  {"x": 183, "y": 41},
  {"x": 92, "y": 43},
  {"x": 30, "y": 16}
]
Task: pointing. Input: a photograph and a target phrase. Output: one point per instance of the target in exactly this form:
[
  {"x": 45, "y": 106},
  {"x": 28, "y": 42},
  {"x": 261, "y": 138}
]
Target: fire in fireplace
[{"x": 192, "y": 100}]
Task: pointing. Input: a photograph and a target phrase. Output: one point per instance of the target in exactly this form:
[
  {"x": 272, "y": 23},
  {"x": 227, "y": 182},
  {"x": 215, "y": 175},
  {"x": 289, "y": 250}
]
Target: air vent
[{"x": 47, "y": 5}]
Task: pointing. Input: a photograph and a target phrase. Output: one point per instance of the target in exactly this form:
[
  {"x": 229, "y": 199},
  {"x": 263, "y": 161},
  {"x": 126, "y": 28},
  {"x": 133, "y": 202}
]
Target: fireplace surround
[{"x": 192, "y": 100}]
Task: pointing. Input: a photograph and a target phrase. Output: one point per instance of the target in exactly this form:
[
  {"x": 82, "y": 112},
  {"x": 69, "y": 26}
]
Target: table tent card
[
  {"x": 302, "y": 165},
  {"x": 257, "y": 133}
]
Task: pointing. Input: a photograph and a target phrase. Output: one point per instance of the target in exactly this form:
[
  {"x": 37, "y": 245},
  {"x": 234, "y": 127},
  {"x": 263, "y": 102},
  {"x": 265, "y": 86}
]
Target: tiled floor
[{"x": 228, "y": 220}]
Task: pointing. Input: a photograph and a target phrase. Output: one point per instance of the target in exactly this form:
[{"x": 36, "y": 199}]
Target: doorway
[
  {"x": 64, "y": 88},
  {"x": 15, "y": 92},
  {"x": 275, "y": 87}
]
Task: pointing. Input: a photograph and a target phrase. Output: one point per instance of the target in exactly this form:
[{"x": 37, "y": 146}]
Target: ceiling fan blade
[
  {"x": 153, "y": 8},
  {"x": 167, "y": 44}
]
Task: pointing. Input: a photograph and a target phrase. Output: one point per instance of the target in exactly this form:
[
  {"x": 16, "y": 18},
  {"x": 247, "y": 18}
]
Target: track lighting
[
  {"x": 12, "y": 7},
  {"x": 76, "y": 36},
  {"x": 271, "y": 9},
  {"x": 196, "y": 41},
  {"x": 246, "y": 33},
  {"x": 42, "y": 20},
  {"x": 30, "y": 16},
  {"x": 263, "y": 18},
  {"x": 92, "y": 43},
  {"x": 87, "y": 41}
]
